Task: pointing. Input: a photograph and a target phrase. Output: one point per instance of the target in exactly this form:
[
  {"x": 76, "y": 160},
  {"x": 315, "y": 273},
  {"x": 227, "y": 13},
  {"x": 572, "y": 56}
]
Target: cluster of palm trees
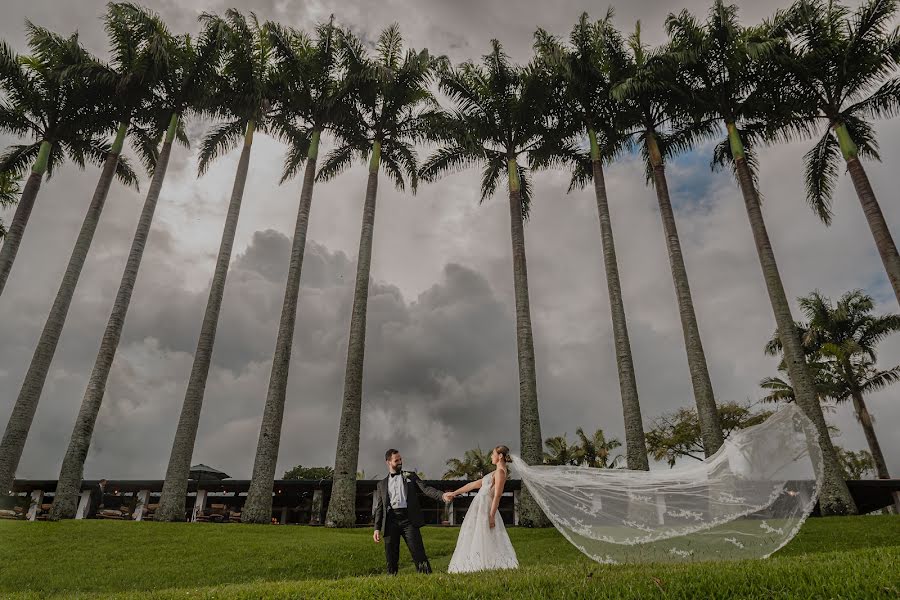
[
  {"x": 579, "y": 104},
  {"x": 841, "y": 345}
]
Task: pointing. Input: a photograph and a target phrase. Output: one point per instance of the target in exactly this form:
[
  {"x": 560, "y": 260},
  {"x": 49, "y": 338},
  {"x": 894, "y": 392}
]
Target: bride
[
  {"x": 745, "y": 501},
  {"x": 483, "y": 543}
]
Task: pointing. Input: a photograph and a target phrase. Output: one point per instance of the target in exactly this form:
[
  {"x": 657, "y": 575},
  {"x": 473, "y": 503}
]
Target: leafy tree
[
  {"x": 844, "y": 66},
  {"x": 856, "y": 465},
  {"x": 497, "y": 120},
  {"x": 728, "y": 72},
  {"x": 301, "y": 472},
  {"x": 123, "y": 88},
  {"x": 677, "y": 434},
  {"x": 475, "y": 464},
  {"x": 559, "y": 451},
  {"x": 240, "y": 98},
  {"x": 9, "y": 193},
  {"x": 581, "y": 72},
  {"x": 596, "y": 451},
  {"x": 841, "y": 340},
  {"x": 391, "y": 97},
  {"x": 307, "y": 99}
]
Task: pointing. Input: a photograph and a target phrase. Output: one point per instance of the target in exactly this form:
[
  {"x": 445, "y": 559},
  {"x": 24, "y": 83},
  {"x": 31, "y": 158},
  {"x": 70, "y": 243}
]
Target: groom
[{"x": 397, "y": 512}]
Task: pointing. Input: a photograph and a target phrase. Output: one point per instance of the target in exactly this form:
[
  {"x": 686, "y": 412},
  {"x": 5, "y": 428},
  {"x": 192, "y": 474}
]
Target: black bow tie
[{"x": 395, "y": 474}]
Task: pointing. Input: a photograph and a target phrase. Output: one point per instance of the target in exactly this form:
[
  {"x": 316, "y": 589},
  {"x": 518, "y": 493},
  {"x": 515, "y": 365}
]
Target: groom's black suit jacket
[{"x": 381, "y": 502}]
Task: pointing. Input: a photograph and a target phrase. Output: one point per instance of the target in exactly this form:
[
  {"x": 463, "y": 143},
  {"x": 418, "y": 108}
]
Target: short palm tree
[
  {"x": 183, "y": 78},
  {"x": 499, "y": 116},
  {"x": 391, "y": 96},
  {"x": 241, "y": 97},
  {"x": 642, "y": 78},
  {"x": 844, "y": 337},
  {"x": 590, "y": 110},
  {"x": 845, "y": 68},
  {"x": 126, "y": 83},
  {"x": 559, "y": 451},
  {"x": 475, "y": 464},
  {"x": 726, "y": 68},
  {"x": 307, "y": 100},
  {"x": 595, "y": 451},
  {"x": 47, "y": 98}
]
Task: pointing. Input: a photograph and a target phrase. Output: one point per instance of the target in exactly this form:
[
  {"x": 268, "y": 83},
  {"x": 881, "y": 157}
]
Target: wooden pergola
[{"x": 304, "y": 502}]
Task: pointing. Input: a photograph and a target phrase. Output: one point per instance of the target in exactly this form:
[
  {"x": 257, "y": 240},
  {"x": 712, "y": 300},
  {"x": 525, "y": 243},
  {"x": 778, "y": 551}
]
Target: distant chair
[
  {"x": 216, "y": 513},
  {"x": 149, "y": 510},
  {"x": 44, "y": 512},
  {"x": 123, "y": 513},
  {"x": 16, "y": 513},
  {"x": 234, "y": 516}
]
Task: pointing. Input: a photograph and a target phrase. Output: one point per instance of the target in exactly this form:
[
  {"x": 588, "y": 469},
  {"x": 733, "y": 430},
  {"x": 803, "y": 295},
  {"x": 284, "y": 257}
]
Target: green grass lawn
[{"x": 853, "y": 557}]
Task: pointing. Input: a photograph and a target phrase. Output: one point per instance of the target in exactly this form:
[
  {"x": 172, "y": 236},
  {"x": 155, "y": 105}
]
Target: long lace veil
[{"x": 745, "y": 501}]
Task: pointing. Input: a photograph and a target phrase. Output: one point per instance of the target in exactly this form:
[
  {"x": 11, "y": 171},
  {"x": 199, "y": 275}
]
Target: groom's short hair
[{"x": 390, "y": 453}]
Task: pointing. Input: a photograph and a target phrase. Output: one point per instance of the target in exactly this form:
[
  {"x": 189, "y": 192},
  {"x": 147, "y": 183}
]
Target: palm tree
[
  {"x": 726, "y": 69},
  {"x": 844, "y": 340},
  {"x": 595, "y": 451},
  {"x": 9, "y": 192},
  {"x": 46, "y": 97},
  {"x": 585, "y": 84},
  {"x": 186, "y": 71},
  {"x": 391, "y": 97},
  {"x": 845, "y": 68},
  {"x": 307, "y": 100},
  {"x": 242, "y": 99},
  {"x": 475, "y": 464},
  {"x": 642, "y": 78},
  {"x": 126, "y": 83},
  {"x": 559, "y": 452},
  {"x": 497, "y": 118}
]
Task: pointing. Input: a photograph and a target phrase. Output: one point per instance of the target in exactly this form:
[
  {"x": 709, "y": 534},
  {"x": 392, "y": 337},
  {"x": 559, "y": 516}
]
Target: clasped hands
[{"x": 449, "y": 496}]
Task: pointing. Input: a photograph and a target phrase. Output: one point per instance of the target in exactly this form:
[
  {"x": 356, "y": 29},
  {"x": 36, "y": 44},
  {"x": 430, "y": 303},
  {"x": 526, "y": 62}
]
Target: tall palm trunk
[
  {"x": 710, "y": 424},
  {"x": 258, "y": 507},
  {"x": 172, "y": 500},
  {"x": 65, "y": 502},
  {"x": 834, "y": 497},
  {"x": 871, "y": 209},
  {"x": 342, "y": 507},
  {"x": 530, "y": 514},
  {"x": 13, "y": 236},
  {"x": 865, "y": 420},
  {"x": 635, "y": 446},
  {"x": 26, "y": 404}
]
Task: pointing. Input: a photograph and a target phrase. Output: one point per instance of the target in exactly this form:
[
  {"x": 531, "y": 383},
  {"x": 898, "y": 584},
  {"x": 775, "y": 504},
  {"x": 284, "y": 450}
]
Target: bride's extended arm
[
  {"x": 499, "y": 483},
  {"x": 472, "y": 485}
]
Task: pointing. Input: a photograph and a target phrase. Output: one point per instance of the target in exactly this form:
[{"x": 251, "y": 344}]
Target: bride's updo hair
[{"x": 504, "y": 452}]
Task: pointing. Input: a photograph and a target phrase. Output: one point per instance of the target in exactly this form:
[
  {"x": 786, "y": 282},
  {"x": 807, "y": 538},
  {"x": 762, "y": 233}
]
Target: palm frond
[
  {"x": 19, "y": 158},
  {"x": 336, "y": 162},
  {"x": 220, "y": 140},
  {"x": 821, "y": 167}
]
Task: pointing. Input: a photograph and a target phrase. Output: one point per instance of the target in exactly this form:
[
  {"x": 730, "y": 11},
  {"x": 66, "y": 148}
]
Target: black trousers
[{"x": 397, "y": 526}]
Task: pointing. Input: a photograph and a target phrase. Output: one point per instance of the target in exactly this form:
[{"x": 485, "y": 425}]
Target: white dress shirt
[{"x": 396, "y": 491}]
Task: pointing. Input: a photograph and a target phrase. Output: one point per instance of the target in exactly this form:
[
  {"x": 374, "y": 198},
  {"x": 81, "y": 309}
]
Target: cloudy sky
[{"x": 440, "y": 373}]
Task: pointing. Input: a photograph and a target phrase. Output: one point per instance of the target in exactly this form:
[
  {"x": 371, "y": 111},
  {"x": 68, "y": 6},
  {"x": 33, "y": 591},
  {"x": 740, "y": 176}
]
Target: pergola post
[
  {"x": 284, "y": 514},
  {"x": 661, "y": 509},
  {"x": 452, "y": 509},
  {"x": 37, "y": 497},
  {"x": 516, "y": 500},
  {"x": 84, "y": 505},
  {"x": 199, "y": 505},
  {"x": 315, "y": 512},
  {"x": 143, "y": 499}
]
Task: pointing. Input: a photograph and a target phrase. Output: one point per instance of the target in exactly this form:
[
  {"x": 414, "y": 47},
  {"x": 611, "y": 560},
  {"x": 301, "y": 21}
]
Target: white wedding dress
[{"x": 478, "y": 547}]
